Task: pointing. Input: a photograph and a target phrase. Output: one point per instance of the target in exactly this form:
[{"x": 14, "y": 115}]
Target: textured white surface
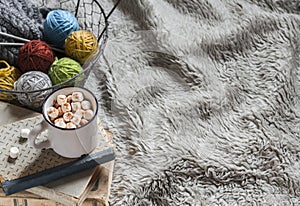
[{"x": 30, "y": 160}]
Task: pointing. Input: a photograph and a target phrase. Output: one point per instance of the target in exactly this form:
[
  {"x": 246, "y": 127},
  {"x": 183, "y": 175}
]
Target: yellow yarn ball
[
  {"x": 80, "y": 45},
  {"x": 8, "y": 76}
]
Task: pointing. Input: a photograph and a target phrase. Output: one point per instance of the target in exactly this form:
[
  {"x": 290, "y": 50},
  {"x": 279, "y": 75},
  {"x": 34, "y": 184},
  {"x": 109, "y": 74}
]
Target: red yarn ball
[{"x": 35, "y": 55}]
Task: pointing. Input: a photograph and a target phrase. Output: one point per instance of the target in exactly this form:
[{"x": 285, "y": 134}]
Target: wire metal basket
[{"x": 91, "y": 16}]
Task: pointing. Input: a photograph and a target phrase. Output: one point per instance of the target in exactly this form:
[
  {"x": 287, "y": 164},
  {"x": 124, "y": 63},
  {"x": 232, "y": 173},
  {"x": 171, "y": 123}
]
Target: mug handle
[{"x": 33, "y": 134}]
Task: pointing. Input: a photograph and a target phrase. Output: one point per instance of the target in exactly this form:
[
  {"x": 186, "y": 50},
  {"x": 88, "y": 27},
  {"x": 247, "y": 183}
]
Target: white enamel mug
[{"x": 73, "y": 142}]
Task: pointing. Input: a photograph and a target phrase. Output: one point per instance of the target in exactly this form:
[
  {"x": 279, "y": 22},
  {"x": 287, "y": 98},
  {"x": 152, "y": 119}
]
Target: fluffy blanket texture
[{"x": 204, "y": 99}]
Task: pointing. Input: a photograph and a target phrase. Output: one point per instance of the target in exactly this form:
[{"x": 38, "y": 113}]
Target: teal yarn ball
[
  {"x": 59, "y": 24},
  {"x": 63, "y": 69}
]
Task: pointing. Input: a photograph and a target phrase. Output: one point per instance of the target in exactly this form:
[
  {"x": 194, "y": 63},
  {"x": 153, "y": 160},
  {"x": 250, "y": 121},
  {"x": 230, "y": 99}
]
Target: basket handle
[{"x": 112, "y": 10}]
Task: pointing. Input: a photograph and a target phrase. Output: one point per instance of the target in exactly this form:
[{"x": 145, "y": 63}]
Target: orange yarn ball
[
  {"x": 80, "y": 45},
  {"x": 35, "y": 55}
]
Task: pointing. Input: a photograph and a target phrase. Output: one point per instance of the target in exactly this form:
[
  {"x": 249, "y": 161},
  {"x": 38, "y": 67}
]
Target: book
[
  {"x": 68, "y": 192},
  {"x": 62, "y": 170},
  {"x": 49, "y": 195},
  {"x": 81, "y": 182},
  {"x": 98, "y": 195},
  {"x": 41, "y": 202}
]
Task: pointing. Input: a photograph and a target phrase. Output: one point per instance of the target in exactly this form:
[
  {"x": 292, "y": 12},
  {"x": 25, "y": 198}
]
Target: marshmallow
[
  {"x": 70, "y": 111},
  {"x": 60, "y": 122},
  {"x": 77, "y": 97},
  {"x": 55, "y": 104},
  {"x": 60, "y": 112},
  {"x": 85, "y": 104},
  {"x": 83, "y": 122},
  {"x": 14, "y": 152},
  {"x": 24, "y": 133},
  {"x": 69, "y": 98},
  {"x": 76, "y": 119},
  {"x": 75, "y": 106},
  {"x": 68, "y": 116},
  {"x": 70, "y": 125},
  {"x": 61, "y": 99},
  {"x": 66, "y": 107},
  {"x": 88, "y": 114},
  {"x": 79, "y": 113},
  {"x": 52, "y": 112}
]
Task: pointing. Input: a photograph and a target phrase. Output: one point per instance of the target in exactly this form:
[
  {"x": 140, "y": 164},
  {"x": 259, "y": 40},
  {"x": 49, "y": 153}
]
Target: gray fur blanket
[{"x": 203, "y": 97}]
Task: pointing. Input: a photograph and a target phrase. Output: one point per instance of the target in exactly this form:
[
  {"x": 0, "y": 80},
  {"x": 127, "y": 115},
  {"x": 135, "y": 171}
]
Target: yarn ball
[
  {"x": 80, "y": 45},
  {"x": 32, "y": 81},
  {"x": 59, "y": 24},
  {"x": 63, "y": 69},
  {"x": 8, "y": 76},
  {"x": 35, "y": 55}
]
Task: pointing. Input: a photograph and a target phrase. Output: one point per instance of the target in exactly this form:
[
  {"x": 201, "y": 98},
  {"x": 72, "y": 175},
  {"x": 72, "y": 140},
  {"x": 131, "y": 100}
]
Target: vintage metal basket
[{"x": 91, "y": 16}]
